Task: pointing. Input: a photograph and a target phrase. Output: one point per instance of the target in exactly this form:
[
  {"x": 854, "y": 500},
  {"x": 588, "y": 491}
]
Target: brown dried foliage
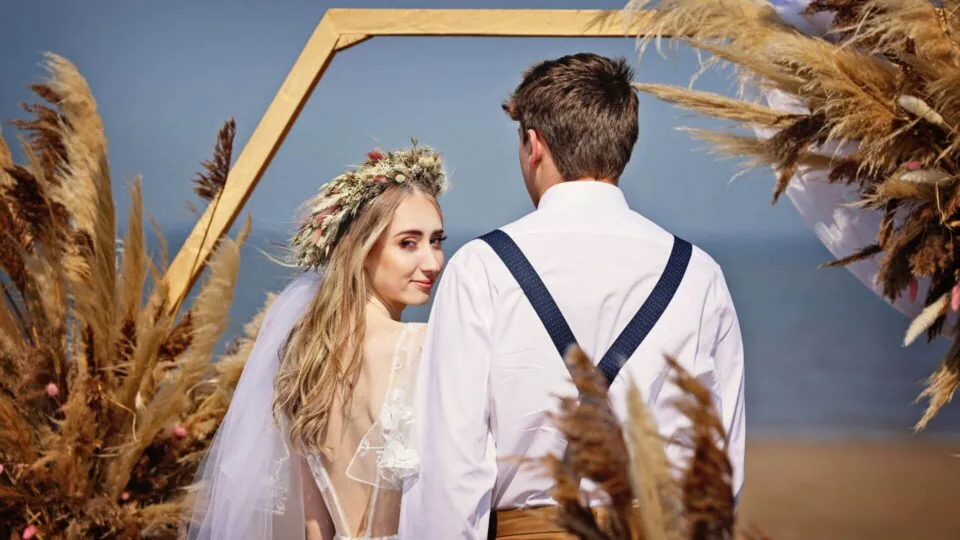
[
  {"x": 209, "y": 183},
  {"x": 93, "y": 380},
  {"x": 648, "y": 499},
  {"x": 885, "y": 82},
  {"x": 597, "y": 451}
]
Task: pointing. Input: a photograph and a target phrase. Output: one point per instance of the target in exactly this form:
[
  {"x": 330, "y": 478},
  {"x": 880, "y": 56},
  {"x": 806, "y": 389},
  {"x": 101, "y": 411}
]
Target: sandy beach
[{"x": 853, "y": 489}]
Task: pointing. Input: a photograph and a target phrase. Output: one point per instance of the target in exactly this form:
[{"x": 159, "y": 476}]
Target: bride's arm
[{"x": 318, "y": 523}]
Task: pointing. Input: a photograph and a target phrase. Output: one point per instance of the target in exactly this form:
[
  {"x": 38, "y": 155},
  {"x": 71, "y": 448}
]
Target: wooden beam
[
  {"x": 489, "y": 22},
  {"x": 252, "y": 161},
  {"x": 343, "y": 28},
  {"x": 345, "y": 41}
]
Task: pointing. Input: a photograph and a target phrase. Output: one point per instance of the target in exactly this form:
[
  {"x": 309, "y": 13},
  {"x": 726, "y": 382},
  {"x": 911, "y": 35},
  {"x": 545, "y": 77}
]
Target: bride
[{"x": 316, "y": 442}]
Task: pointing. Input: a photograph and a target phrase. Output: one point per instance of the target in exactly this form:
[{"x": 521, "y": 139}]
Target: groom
[{"x": 581, "y": 268}]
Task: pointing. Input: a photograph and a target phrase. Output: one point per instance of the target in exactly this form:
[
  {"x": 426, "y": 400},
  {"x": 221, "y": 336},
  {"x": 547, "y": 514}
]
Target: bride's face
[{"x": 406, "y": 260}]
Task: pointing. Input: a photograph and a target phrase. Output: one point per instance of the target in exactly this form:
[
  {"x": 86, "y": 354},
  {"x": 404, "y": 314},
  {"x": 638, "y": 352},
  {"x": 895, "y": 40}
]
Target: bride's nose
[{"x": 430, "y": 264}]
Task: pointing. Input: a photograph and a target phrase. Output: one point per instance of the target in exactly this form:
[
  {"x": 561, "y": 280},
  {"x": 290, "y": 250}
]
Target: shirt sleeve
[
  {"x": 725, "y": 360},
  {"x": 451, "y": 496},
  {"x": 717, "y": 364}
]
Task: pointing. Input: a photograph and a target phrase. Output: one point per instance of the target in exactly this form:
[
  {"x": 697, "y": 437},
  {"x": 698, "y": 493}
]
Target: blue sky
[{"x": 168, "y": 74}]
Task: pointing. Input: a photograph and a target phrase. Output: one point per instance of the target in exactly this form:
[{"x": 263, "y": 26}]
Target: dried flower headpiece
[{"x": 342, "y": 199}]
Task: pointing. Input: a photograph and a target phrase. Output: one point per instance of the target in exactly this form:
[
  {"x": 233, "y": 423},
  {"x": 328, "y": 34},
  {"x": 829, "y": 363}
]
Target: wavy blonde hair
[{"x": 321, "y": 359}]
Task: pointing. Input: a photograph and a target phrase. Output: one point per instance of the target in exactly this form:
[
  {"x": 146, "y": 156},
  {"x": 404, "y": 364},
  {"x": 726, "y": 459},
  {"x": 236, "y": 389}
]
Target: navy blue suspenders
[{"x": 556, "y": 325}]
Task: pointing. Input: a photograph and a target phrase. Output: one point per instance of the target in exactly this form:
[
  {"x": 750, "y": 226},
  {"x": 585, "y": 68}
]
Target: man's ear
[{"x": 536, "y": 147}]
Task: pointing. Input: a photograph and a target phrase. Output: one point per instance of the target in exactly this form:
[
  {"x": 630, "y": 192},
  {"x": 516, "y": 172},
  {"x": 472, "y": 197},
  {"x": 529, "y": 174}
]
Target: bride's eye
[
  {"x": 408, "y": 243},
  {"x": 437, "y": 241}
]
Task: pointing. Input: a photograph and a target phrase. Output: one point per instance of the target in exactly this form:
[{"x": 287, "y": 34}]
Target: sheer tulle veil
[{"x": 249, "y": 481}]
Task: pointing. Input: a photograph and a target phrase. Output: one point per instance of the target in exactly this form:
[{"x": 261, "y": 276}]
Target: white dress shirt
[{"x": 489, "y": 371}]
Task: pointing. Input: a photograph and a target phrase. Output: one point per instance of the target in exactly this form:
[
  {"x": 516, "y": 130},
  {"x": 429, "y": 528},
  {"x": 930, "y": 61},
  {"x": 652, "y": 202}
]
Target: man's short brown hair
[{"x": 585, "y": 108}]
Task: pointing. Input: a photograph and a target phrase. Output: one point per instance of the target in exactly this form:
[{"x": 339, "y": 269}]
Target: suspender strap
[
  {"x": 534, "y": 289},
  {"x": 651, "y": 310},
  {"x": 556, "y": 325}
]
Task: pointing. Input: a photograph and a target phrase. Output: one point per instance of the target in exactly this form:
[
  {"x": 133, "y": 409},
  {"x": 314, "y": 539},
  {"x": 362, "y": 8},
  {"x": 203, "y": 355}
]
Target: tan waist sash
[{"x": 533, "y": 524}]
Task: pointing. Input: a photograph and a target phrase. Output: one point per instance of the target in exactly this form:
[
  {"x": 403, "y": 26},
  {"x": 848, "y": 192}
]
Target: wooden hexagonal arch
[{"x": 337, "y": 30}]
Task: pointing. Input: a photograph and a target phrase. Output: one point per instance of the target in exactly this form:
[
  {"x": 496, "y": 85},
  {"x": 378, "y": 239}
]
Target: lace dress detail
[{"x": 363, "y": 497}]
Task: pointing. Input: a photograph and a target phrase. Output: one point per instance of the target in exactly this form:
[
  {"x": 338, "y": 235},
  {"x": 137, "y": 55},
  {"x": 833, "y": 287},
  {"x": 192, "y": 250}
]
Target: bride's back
[{"x": 366, "y": 440}]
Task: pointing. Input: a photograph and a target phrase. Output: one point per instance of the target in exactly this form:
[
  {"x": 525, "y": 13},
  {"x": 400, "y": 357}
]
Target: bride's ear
[{"x": 367, "y": 262}]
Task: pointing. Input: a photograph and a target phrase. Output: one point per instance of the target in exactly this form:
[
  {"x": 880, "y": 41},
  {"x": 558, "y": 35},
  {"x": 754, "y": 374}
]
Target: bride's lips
[{"x": 424, "y": 285}]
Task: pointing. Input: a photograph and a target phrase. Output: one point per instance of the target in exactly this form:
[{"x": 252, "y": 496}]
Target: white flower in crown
[{"x": 342, "y": 199}]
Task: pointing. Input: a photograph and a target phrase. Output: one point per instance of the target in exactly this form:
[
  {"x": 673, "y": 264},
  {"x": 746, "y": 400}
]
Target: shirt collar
[{"x": 589, "y": 195}]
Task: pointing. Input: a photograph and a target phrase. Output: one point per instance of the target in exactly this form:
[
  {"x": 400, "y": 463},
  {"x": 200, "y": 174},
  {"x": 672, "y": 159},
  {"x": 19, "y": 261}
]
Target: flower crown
[{"x": 341, "y": 200}]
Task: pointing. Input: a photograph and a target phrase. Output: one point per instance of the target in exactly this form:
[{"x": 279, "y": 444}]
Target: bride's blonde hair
[{"x": 322, "y": 357}]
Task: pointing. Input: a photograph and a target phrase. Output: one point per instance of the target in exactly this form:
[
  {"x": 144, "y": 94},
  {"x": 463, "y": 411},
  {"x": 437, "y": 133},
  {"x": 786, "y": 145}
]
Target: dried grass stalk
[
  {"x": 133, "y": 272},
  {"x": 707, "y": 493},
  {"x": 748, "y": 114},
  {"x": 209, "y": 184},
  {"x": 6, "y": 158},
  {"x": 656, "y": 489}
]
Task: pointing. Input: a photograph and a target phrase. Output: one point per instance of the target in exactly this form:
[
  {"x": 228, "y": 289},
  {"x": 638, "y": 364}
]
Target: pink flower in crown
[
  {"x": 329, "y": 211},
  {"x": 913, "y": 165},
  {"x": 316, "y": 237},
  {"x": 322, "y": 215},
  {"x": 381, "y": 179},
  {"x": 375, "y": 155}
]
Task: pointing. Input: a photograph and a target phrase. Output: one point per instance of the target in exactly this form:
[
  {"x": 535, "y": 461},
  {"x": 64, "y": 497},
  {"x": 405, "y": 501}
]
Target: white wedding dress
[{"x": 252, "y": 486}]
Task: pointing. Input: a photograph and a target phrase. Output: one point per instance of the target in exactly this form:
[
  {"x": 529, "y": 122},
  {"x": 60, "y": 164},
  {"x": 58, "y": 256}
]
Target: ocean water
[{"x": 823, "y": 354}]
